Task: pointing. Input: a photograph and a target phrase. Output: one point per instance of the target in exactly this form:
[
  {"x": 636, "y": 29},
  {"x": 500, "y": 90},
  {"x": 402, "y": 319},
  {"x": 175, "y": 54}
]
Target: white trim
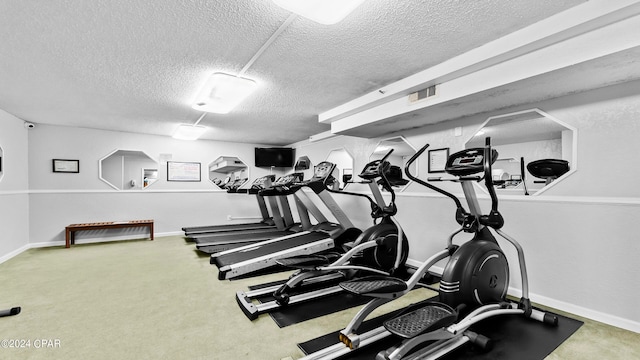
[
  {"x": 14, "y": 192},
  {"x": 584, "y": 200},
  {"x": 587, "y": 313},
  {"x": 80, "y": 241},
  {"x": 14, "y": 253},
  {"x": 100, "y": 240},
  {"x": 93, "y": 191},
  {"x": 322, "y": 136},
  {"x": 558, "y": 304}
]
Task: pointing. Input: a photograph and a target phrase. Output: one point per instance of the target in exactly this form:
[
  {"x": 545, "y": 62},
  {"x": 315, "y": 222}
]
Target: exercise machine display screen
[
  {"x": 287, "y": 179},
  {"x": 323, "y": 170},
  {"x": 471, "y": 160}
]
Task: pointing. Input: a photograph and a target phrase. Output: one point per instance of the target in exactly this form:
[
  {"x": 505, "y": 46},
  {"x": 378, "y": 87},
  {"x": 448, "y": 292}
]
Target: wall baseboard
[
  {"x": 560, "y": 305},
  {"x": 14, "y": 253},
  {"x": 587, "y": 313},
  {"x": 103, "y": 239},
  {"x": 26, "y": 247}
]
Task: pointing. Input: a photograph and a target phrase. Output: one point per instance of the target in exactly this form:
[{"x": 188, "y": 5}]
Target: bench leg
[{"x": 151, "y": 231}]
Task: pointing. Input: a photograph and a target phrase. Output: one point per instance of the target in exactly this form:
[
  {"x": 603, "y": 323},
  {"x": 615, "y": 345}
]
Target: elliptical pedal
[
  {"x": 307, "y": 262},
  {"x": 374, "y": 285},
  {"x": 425, "y": 319}
]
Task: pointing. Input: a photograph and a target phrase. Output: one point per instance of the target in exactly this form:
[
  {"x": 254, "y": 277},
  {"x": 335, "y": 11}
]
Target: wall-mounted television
[{"x": 274, "y": 157}]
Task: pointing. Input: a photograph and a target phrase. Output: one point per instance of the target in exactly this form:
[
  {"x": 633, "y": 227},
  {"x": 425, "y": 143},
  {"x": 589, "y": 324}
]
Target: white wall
[
  {"x": 579, "y": 236},
  {"x": 14, "y": 197},
  {"x": 60, "y": 199}
]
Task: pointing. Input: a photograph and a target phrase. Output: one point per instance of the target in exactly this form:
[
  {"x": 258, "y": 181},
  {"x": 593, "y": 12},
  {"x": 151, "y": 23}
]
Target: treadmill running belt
[
  {"x": 515, "y": 337},
  {"x": 260, "y": 250},
  {"x": 223, "y": 228},
  {"x": 241, "y": 238}
]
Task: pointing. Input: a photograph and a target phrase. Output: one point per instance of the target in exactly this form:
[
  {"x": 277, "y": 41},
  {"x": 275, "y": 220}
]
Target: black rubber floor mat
[
  {"x": 313, "y": 308},
  {"x": 514, "y": 337}
]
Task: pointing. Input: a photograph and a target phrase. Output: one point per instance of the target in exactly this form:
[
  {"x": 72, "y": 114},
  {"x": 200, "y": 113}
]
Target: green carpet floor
[{"x": 160, "y": 300}]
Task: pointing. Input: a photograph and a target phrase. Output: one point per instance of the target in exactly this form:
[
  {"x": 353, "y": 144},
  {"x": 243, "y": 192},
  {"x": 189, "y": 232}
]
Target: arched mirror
[
  {"x": 1, "y": 163},
  {"x": 402, "y": 152},
  {"x": 128, "y": 170},
  {"x": 344, "y": 166},
  {"x": 536, "y": 150},
  {"x": 228, "y": 172}
]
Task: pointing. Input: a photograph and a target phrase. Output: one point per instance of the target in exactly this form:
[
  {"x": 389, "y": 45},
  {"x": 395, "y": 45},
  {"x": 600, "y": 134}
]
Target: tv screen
[{"x": 276, "y": 157}]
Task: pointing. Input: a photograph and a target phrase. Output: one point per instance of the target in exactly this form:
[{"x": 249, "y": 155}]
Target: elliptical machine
[
  {"x": 475, "y": 279},
  {"x": 376, "y": 251}
]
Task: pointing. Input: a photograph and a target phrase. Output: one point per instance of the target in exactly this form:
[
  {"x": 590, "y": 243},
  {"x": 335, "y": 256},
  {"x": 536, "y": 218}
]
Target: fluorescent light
[
  {"x": 222, "y": 92},
  {"x": 323, "y": 11},
  {"x": 189, "y": 132}
]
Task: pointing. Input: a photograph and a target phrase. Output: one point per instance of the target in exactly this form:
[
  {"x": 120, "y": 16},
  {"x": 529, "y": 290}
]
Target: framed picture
[
  {"x": 438, "y": 160},
  {"x": 183, "y": 171},
  {"x": 66, "y": 166}
]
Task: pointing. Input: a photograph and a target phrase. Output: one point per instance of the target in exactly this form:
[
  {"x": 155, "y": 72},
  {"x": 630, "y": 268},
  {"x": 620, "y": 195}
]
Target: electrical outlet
[{"x": 229, "y": 217}]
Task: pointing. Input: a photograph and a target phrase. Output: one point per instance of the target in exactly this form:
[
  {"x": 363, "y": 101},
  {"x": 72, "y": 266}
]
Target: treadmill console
[
  {"x": 323, "y": 171},
  {"x": 259, "y": 182},
  {"x": 374, "y": 169},
  {"x": 468, "y": 162},
  {"x": 235, "y": 185},
  {"x": 289, "y": 179}
]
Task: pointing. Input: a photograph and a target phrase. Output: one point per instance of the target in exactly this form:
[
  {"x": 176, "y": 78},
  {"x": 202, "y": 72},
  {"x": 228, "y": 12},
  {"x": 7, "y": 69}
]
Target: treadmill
[
  {"x": 322, "y": 237},
  {"x": 282, "y": 219},
  {"x": 213, "y": 243},
  {"x": 267, "y": 221}
]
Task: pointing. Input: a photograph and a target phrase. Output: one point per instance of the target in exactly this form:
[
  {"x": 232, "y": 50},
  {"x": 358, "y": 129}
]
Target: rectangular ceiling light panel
[
  {"x": 189, "y": 132},
  {"x": 223, "y": 92},
  {"x": 326, "y": 12}
]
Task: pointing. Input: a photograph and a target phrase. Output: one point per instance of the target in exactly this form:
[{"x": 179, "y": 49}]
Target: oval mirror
[
  {"x": 228, "y": 172},
  {"x": 344, "y": 166},
  {"x": 402, "y": 152},
  {"x": 128, "y": 170},
  {"x": 536, "y": 151}
]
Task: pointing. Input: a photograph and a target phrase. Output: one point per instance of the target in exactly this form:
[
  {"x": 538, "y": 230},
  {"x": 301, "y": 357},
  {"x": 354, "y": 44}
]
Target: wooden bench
[{"x": 71, "y": 229}]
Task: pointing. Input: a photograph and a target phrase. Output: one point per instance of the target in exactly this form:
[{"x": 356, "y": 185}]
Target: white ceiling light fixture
[
  {"x": 223, "y": 92},
  {"x": 189, "y": 132},
  {"x": 325, "y": 12}
]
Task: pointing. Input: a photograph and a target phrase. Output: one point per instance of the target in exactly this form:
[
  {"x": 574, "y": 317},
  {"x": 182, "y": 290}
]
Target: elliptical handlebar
[
  {"x": 488, "y": 178},
  {"x": 423, "y": 183},
  {"x": 386, "y": 185}
]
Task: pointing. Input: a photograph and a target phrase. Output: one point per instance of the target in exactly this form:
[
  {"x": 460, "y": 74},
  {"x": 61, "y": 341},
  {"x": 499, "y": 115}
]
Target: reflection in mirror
[
  {"x": 149, "y": 176},
  {"x": 344, "y": 166},
  {"x": 1, "y": 163},
  {"x": 228, "y": 172},
  {"x": 533, "y": 146},
  {"x": 305, "y": 166},
  {"x": 128, "y": 170},
  {"x": 402, "y": 152}
]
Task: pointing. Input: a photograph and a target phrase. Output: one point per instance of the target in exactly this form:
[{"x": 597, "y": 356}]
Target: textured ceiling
[{"x": 135, "y": 65}]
